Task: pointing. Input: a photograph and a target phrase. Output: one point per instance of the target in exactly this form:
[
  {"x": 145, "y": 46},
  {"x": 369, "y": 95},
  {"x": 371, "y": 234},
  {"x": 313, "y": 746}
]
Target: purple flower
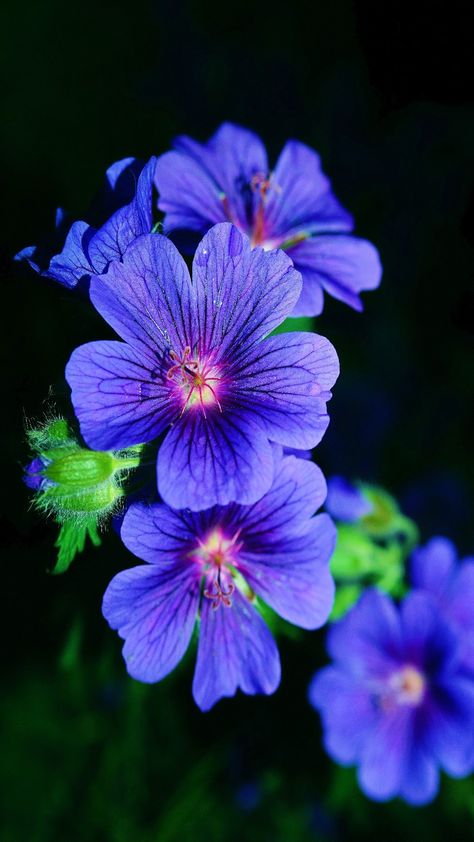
[
  {"x": 291, "y": 207},
  {"x": 34, "y": 477},
  {"x": 196, "y": 363},
  {"x": 436, "y": 570},
  {"x": 345, "y": 501},
  {"x": 126, "y": 209},
  {"x": 209, "y": 565},
  {"x": 397, "y": 701}
]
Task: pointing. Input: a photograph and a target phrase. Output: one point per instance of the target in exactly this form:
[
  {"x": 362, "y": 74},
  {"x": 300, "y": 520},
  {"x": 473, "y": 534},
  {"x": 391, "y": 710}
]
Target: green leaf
[{"x": 71, "y": 540}]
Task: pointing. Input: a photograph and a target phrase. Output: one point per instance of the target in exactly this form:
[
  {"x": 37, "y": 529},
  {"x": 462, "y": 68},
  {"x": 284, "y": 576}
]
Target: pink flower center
[
  {"x": 215, "y": 554},
  {"x": 408, "y": 686},
  {"x": 197, "y": 381}
]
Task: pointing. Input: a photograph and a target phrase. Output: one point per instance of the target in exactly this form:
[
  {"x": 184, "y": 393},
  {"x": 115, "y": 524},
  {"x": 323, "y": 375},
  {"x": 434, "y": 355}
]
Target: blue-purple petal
[
  {"x": 242, "y": 293},
  {"x": 345, "y": 501},
  {"x": 211, "y": 460},
  {"x": 302, "y": 196},
  {"x": 235, "y": 650},
  {"x": 343, "y": 266},
  {"x": 155, "y": 612},
  {"x": 292, "y": 575},
  {"x": 148, "y": 299},
  {"x": 289, "y": 385},
  {"x": 117, "y": 398}
]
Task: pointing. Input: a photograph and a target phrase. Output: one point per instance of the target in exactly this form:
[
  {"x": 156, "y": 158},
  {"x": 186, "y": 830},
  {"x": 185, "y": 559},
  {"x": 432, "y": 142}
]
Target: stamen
[
  {"x": 219, "y": 595},
  {"x": 195, "y": 377}
]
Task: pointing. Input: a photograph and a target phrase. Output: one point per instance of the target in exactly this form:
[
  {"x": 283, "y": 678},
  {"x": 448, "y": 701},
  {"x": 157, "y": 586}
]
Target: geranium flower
[
  {"x": 125, "y": 212},
  {"x": 435, "y": 569},
  {"x": 196, "y": 363},
  {"x": 397, "y": 701},
  {"x": 291, "y": 207},
  {"x": 209, "y": 566}
]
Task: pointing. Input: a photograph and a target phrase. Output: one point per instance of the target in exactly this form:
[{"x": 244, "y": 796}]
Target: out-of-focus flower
[
  {"x": 397, "y": 702},
  {"x": 435, "y": 569},
  {"x": 291, "y": 207}
]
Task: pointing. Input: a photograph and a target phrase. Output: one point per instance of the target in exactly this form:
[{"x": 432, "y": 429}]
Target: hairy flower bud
[{"x": 78, "y": 486}]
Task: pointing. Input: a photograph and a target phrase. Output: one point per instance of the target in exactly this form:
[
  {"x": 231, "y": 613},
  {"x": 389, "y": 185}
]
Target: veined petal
[
  {"x": 302, "y": 197},
  {"x": 154, "y": 611},
  {"x": 297, "y": 491},
  {"x": 156, "y": 533},
  {"x": 235, "y": 650},
  {"x": 288, "y": 386},
  {"x": 129, "y": 222},
  {"x": 116, "y": 396},
  {"x": 242, "y": 293},
  {"x": 343, "y": 266},
  {"x": 232, "y": 157},
  {"x": 214, "y": 460},
  {"x": 189, "y": 196},
  {"x": 293, "y": 576},
  {"x": 72, "y": 263},
  {"x": 148, "y": 298}
]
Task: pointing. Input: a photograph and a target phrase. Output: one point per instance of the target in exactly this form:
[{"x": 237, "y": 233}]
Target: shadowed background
[{"x": 87, "y": 753}]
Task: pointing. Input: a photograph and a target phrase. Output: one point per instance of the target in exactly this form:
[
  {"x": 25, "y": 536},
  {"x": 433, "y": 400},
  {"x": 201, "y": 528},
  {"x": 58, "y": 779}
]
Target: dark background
[{"x": 384, "y": 92}]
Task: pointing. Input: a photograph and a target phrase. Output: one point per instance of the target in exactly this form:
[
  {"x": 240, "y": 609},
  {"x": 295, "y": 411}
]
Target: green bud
[
  {"x": 81, "y": 488},
  {"x": 78, "y": 469}
]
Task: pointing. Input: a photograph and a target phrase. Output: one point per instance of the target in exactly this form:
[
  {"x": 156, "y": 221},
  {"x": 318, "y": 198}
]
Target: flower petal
[
  {"x": 302, "y": 197},
  {"x": 116, "y": 396},
  {"x": 368, "y": 640},
  {"x": 218, "y": 459},
  {"x": 242, "y": 293},
  {"x": 449, "y": 724},
  {"x": 431, "y": 566},
  {"x": 126, "y": 224},
  {"x": 232, "y": 157},
  {"x": 189, "y": 196},
  {"x": 347, "y": 712},
  {"x": 341, "y": 265},
  {"x": 155, "y": 612},
  {"x": 385, "y": 753},
  {"x": 157, "y": 534},
  {"x": 420, "y": 779},
  {"x": 235, "y": 650},
  {"x": 147, "y": 299},
  {"x": 288, "y": 385},
  {"x": 298, "y": 490},
  {"x": 345, "y": 501},
  {"x": 293, "y": 576},
  {"x": 72, "y": 263}
]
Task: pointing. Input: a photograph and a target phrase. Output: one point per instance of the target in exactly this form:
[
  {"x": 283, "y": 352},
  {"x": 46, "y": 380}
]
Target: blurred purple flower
[
  {"x": 345, "y": 501},
  {"x": 397, "y": 701},
  {"x": 435, "y": 569},
  {"x": 291, "y": 207},
  {"x": 210, "y": 565},
  {"x": 196, "y": 362}
]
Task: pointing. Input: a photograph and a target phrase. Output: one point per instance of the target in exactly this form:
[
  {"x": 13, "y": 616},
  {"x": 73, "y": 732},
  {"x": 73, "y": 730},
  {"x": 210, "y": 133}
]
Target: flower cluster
[
  {"x": 198, "y": 381},
  {"x": 213, "y": 415}
]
